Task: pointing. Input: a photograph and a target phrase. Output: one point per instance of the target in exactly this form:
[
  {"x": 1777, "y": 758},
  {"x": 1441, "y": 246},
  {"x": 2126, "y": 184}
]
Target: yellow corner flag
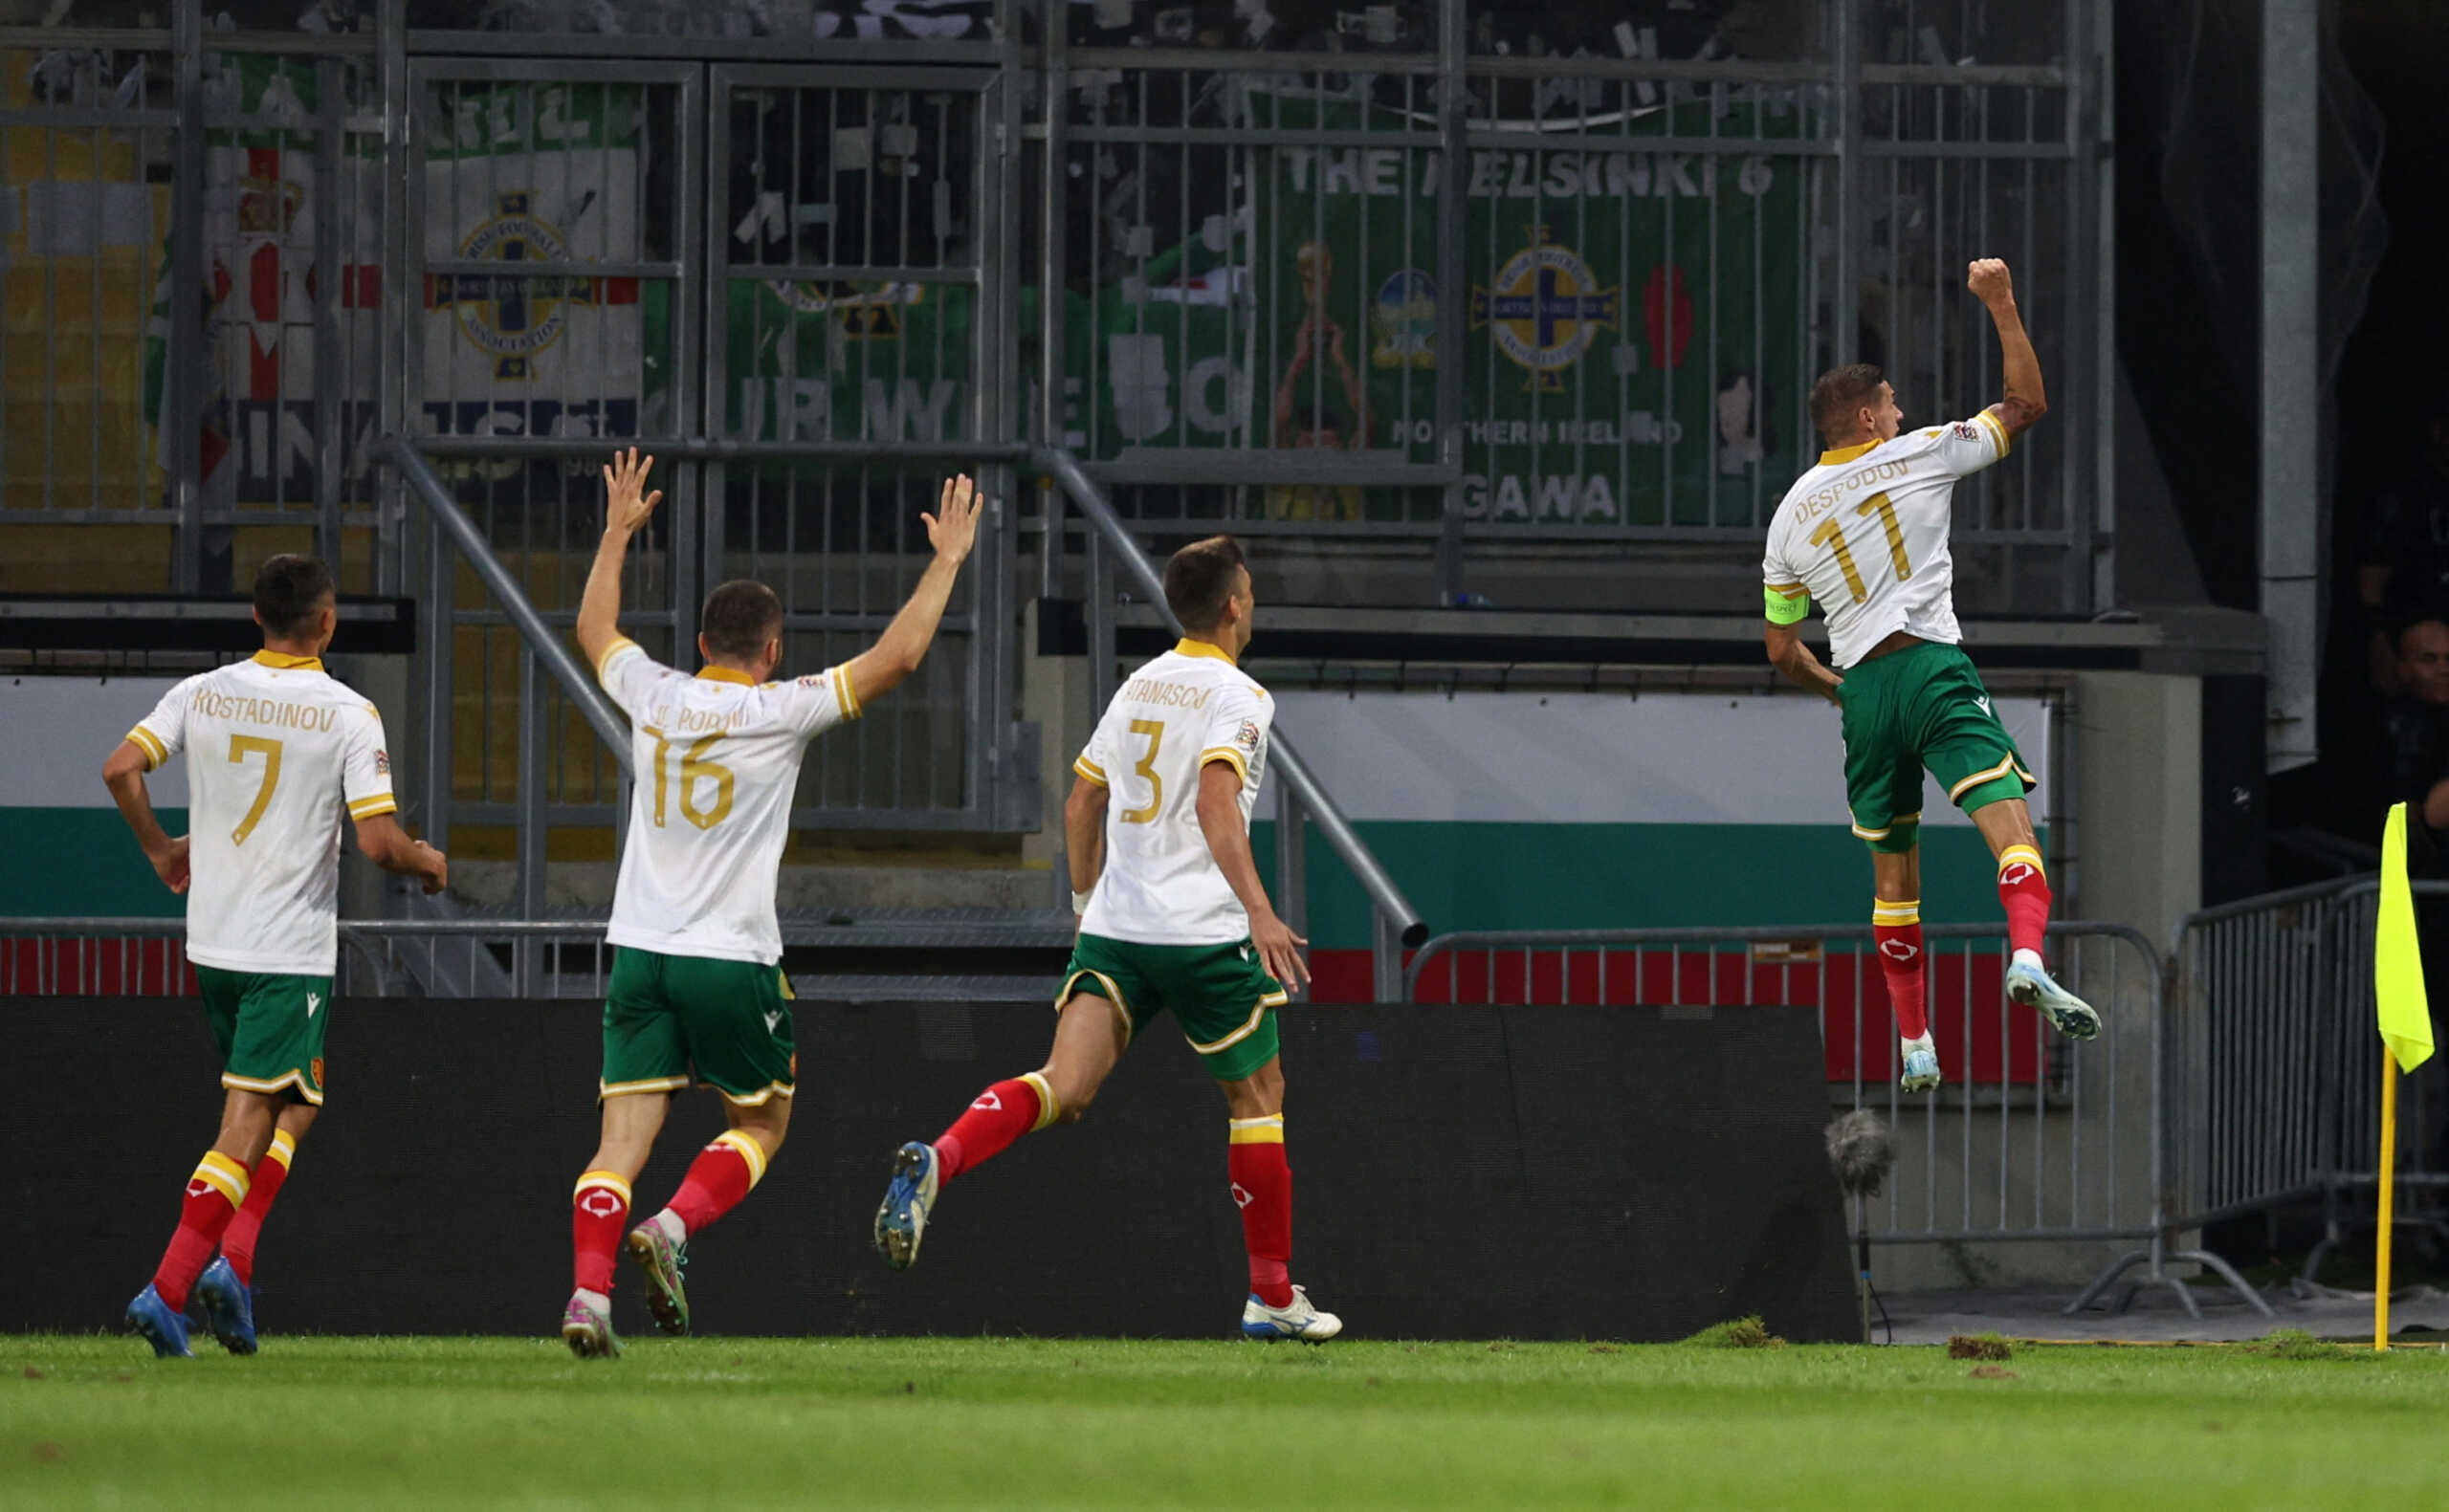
[
  {"x": 2406, "y": 1030},
  {"x": 2397, "y": 958}
]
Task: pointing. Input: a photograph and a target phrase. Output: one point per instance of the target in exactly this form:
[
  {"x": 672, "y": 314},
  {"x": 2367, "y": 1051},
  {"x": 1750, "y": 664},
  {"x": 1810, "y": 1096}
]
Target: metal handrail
[
  {"x": 1300, "y": 783},
  {"x": 401, "y": 454}
]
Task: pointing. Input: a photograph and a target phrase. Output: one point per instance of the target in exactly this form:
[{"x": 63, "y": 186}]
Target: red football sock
[
  {"x": 721, "y": 1174},
  {"x": 1897, "y": 927},
  {"x": 1003, "y": 1114},
  {"x": 598, "y": 1210},
  {"x": 2023, "y": 890},
  {"x": 215, "y": 1195},
  {"x": 238, "y": 1240},
  {"x": 1263, "y": 1190}
]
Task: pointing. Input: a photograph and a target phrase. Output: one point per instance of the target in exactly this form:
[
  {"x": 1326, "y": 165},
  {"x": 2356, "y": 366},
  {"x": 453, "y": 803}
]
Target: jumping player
[
  {"x": 279, "y": 751},
  {"x": 1866, "y": 532},
  {"x": 697, "y": 994},
  {"x": 1173, "y": 916}
]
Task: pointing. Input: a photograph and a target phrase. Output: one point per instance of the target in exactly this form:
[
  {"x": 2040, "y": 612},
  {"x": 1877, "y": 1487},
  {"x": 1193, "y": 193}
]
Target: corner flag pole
[
  {"x": 2389, "y": 1191},
  {"x": 2406, "y": 1034}
]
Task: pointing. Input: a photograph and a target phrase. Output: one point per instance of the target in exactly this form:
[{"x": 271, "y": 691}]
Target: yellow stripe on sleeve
[
  {"x": 619, "y": 645},
  {"x": 372, "y": 804},
  {"x": 2006, "y": 441},
  {"x": 1229, "y": 754},
  {"x": 146, "y": 741},
  {"x": 1091, "y": 770},
  {"x": 844, "y": 693}
]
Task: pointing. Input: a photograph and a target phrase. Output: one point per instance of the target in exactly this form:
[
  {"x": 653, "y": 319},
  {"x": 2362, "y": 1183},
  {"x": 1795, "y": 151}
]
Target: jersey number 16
[{"x": 695, "y": 769}]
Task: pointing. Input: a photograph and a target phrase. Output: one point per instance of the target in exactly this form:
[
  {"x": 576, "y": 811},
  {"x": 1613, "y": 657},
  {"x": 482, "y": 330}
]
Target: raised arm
[
  {"x": 123, "y": 774},
  {"x": 903, "y": 646},
  {"x": 1228, "y": 840},
  {"x": 627, "y": 506},
  {"x": 2026, "y": 401}
]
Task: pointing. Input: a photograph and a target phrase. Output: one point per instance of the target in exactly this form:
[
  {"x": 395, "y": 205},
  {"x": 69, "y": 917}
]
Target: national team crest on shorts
[{"x": 314, "y": 1069}]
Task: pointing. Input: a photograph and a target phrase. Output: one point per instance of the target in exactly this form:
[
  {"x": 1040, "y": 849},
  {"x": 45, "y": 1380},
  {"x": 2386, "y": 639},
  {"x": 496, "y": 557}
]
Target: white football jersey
[
  {"x": 278, "y": 753},
  {"x": 1187, "y": 707},
  {"x": 718, "y": 761},
  {"x": 1866, "y": 531}
]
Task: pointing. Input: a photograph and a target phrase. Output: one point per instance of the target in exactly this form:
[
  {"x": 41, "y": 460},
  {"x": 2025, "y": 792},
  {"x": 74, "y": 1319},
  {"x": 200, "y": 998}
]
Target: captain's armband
[{"x": 1786, "y": 608}]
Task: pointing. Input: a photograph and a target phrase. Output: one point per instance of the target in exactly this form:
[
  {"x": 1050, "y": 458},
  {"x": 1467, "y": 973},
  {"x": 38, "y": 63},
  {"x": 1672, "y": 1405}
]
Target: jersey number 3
[
  {"x": 1155, "y": 730},
  {"x": 1831, "y": 534}
]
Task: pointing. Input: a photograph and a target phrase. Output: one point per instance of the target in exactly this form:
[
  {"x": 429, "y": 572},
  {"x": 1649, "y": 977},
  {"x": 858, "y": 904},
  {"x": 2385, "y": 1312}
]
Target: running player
[
  {"x": 279, "y": 751},
  {"x": 697, "y": 992},
  {"x": 1173, "y": 916},
  {"x": 1866, "y": 532}
]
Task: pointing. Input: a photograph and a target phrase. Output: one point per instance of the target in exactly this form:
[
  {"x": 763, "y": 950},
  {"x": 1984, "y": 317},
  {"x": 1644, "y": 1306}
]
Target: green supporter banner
[
  {"x": 807, "y": 361},
  {"x": 1630, "y": 318}
]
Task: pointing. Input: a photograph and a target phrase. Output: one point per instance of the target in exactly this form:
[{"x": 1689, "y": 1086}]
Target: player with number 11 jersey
[{"x": 1866, "y": 534}]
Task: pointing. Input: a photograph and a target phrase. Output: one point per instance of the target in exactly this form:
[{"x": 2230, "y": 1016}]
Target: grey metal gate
[{"x": 577, "y": 292}]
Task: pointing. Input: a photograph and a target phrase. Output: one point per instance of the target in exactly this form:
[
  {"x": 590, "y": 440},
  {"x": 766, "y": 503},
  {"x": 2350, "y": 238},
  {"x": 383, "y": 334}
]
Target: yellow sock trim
[
  {"x": 1900, "y": 910},
  {"x": 2025, "y": 854},
  {"x": 1267, "y": 1131},
  {"x": 605, "y": 1180},
  {"x": 1048, "y": 1108},
  {"x": 750, "y": 1151},
  {"x": 283, "y": 1148},
  {"x": 222, "y": 1174}
]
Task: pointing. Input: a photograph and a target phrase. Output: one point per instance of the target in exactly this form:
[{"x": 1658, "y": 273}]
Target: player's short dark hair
[
  {"x": 1840, "y": 394},
  {"x": 740, "y": 618},
  {"x": 289, "y": 589},
  {"x": 1199, "y": 580}
]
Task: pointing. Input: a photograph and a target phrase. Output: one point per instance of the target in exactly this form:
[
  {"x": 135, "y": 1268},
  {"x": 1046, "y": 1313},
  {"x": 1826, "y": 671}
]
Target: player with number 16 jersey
[{"x": 697, "y": 992}]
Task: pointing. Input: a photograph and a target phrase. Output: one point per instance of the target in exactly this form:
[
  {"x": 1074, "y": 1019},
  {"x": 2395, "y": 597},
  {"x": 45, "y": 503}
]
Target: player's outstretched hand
[
  {"x": 626, "y": 502},
  {"x": 171, "y": 865},
  {"x": 437, "y": 874},
  {"x": 1990, "y": 282},
  {"x": 1280, "y": 950},
  {"x": 953, "y": 529}
]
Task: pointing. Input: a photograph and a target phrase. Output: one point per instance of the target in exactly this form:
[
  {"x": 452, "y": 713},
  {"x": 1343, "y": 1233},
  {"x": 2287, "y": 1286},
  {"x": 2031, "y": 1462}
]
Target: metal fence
[
  {"x": 1433, "y": 278},
  {"x": 2272, "y": 1016},
  {"x": 2031, "y": 1140}
]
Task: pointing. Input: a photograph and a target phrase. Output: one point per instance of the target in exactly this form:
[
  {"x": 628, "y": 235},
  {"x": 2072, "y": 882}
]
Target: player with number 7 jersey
[
  {"x": 697, "y": 994},
  {"x": 278, "y": 753},
  {"x": 1866, "y": 532}
]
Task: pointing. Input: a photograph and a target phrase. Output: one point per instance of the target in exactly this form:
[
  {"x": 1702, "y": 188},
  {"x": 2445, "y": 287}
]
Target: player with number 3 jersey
[
  {"x": 697, "y": 992},
  {"x": 1866, "y": 534},
  {"x": 1173, "y": 918},
  {"x": 278, "y": 753}
]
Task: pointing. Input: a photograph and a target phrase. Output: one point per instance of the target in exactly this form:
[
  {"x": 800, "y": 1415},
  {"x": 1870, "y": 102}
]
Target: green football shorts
[
  {"x": 1221, "y": 994},
  {"x": 1921, "y": 706},
  {"x": 672, "y": 1021},
  {"x": 269, "y": 1029}
]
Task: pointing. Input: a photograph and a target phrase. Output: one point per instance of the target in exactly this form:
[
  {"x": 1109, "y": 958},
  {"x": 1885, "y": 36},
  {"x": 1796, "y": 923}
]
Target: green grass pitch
[{"x": 980, "y": 1423}]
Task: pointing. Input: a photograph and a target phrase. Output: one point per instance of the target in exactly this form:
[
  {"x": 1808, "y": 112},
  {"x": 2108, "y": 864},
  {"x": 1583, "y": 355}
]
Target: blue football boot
[
  {"x": 902, "y": 1219},
  {"x": 164, "y": 1330},
  {"x": 228, "y": 1306},
  {"x": 2067, "y": 1014}
]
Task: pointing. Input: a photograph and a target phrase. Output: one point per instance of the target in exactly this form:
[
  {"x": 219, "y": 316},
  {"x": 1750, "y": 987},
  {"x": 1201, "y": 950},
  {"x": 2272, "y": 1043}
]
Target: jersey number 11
[{"x": 1831, "y": 534}]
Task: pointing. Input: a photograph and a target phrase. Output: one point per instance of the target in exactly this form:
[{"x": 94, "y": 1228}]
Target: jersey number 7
[{"x": 1831, "y": 534}]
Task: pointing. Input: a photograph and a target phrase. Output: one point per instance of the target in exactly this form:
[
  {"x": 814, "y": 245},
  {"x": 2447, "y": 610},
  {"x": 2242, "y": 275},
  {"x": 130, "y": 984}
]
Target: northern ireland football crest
[
  {"x": 510, "y": 316},
  {"x": 1545, "y": 309},
  {"x": 867, "y": 311}
]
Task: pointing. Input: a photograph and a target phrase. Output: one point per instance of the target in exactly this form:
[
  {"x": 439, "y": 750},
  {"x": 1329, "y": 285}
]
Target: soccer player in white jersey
[
  {"x": 1866, "y": 532},
  {"x": 697, "y": 992},
  {"x": 278, "y": 753},
  {"x": 1172, "y": 917}
]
